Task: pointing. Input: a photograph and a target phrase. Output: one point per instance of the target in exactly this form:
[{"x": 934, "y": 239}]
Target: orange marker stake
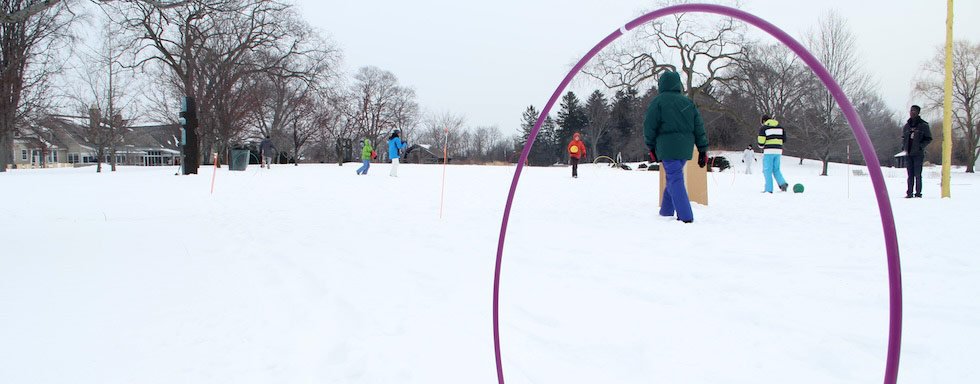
[
  {"x": 445, "y": 160},
  {"x": 215, "y": 173}
]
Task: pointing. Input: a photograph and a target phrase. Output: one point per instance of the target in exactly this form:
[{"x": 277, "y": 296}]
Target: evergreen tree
[
  {"x": 548, "y": 139},
  {"x": 625, "y": 129},
  {"x": 597, "y": 123},
  {"x": 571, "y": 118},
  {"x": 542, "y": 151},
  {"x": 527, "y": 123}
]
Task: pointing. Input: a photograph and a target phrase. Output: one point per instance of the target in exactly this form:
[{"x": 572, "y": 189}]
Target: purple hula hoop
[{"x": 867, "y": 149}]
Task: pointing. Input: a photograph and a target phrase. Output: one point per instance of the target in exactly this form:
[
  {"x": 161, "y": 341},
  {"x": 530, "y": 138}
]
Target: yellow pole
[{"x": 948, "y": 102}]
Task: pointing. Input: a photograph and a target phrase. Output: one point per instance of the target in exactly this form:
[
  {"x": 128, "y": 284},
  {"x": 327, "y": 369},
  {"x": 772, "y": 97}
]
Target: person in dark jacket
[
  {"x": 266, "y": 148},
  {"x": 771, "y": 138},
  {"x": 915, "y": 137},
  {"x": 672, "y": 127}
]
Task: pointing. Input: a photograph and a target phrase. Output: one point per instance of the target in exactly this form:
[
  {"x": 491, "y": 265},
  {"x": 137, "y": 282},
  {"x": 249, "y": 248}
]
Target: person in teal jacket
[
  {"x": 672, "y": 128},
  {"x": 366, "y": 152}
]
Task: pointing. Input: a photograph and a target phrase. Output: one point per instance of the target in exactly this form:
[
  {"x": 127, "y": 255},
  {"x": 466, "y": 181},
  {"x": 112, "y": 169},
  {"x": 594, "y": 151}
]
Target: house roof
[
  {"x": 68, "y": 132},
  {"x": 423, "y": 151},
  {"x": 44, "y": 134},
  {"x": 152, "y": 138},
  {"x": 61, "y": 132}
]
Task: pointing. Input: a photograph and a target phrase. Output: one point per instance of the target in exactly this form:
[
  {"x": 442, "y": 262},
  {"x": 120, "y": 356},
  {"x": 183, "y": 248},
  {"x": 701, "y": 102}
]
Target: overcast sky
[{"x": 489, "y": 60}]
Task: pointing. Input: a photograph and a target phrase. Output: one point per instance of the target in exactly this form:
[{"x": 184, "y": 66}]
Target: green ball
[{"x": 798, "y": 188}]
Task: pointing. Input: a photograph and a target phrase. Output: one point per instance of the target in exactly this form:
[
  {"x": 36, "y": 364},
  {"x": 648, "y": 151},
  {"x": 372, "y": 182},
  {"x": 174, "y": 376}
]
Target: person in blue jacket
[{"x": 395, "y": 144}]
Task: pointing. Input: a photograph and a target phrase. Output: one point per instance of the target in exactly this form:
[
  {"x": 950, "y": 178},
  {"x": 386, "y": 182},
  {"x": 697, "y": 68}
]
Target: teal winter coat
[{"x": 673, "y": 125}]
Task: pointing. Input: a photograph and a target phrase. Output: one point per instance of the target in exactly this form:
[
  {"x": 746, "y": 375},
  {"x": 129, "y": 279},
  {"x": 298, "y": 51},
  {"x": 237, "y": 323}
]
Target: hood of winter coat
[
  {"x": 367, "y": 141},
  {"x": 669, "y": 82}
]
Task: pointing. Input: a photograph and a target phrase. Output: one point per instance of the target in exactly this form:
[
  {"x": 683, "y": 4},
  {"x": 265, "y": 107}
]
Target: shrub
[{"x": 719, "y": 162}]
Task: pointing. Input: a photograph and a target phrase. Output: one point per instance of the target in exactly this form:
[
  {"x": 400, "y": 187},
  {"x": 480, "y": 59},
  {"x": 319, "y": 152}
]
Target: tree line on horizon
[
  {"x": 734, "y": 81},
  {"x": 256, "y": 68}
]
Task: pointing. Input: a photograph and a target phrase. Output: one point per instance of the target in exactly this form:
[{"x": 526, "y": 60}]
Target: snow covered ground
[{"x": 312, "y": 274}]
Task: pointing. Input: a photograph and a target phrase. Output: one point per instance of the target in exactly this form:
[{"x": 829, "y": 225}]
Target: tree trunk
[
  {"x": 826, "y": 162},
  {"x": 6, "y": 149},
  {"x": 340, "y": 155},
  {"x": 296, "y": 146},
  {"x": 112, "y": 159},
  {"x": 971, "y": 159},
  {"x": 218, "y": 149}
]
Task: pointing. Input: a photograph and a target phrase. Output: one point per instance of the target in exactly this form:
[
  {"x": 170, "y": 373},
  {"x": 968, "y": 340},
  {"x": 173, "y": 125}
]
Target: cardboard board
[{"x": 695, "y": 180}]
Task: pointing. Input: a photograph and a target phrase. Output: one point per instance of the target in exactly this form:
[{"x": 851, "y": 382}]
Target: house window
[
  {"x": 73, "y": 158},
  {"x": 23, "y": 154},
  {"x": 53, "y": 157}
]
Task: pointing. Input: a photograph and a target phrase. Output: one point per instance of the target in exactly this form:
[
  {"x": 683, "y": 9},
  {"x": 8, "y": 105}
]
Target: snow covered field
[{"x": 312, "y": 274}]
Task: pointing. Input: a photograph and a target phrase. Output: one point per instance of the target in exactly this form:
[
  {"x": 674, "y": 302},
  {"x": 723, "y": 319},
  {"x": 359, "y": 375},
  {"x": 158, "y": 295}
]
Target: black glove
[{"x": 702, "y": 159}]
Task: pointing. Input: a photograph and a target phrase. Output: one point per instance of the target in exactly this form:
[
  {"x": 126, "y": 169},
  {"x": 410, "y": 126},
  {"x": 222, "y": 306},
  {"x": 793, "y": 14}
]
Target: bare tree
[
  {"x": 405, "y": 110},
  {"x": 380, "y": 104},
  {"x": 210, "y": 47},
  {"x": 268, "y": 47},
  {"x": 880, "y": 122},
  {"x": 299, "y": 109},
  {"x": 445, "y": 131},
  {"x": 774, "y": 79},
  {"x": 691, "y": 44},
  {"x": 966, "y": 93},
  {"x": 31, "y": 8},
  {"x": 824, "y": 128},
  {"x": 105, "y": 93},
  {"x": 339, "y": 121},
  {"x": 484, "y": 140},
  {"x": 172, "y": 38},
  {"x": 770, "y": 79},
  {"x": 29, "y": 49},
  {"x": 597, "y": 124}
]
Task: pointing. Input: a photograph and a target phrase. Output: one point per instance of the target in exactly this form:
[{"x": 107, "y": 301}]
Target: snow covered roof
[{"x": 64, "y": 132}]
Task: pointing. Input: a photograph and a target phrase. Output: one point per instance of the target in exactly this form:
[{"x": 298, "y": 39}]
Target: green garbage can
[{"x": 239, "y": 159}]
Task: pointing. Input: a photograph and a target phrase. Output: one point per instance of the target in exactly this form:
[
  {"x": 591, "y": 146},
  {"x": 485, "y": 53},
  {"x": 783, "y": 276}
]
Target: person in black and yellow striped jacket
[{"x": 771, "y": 139}]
